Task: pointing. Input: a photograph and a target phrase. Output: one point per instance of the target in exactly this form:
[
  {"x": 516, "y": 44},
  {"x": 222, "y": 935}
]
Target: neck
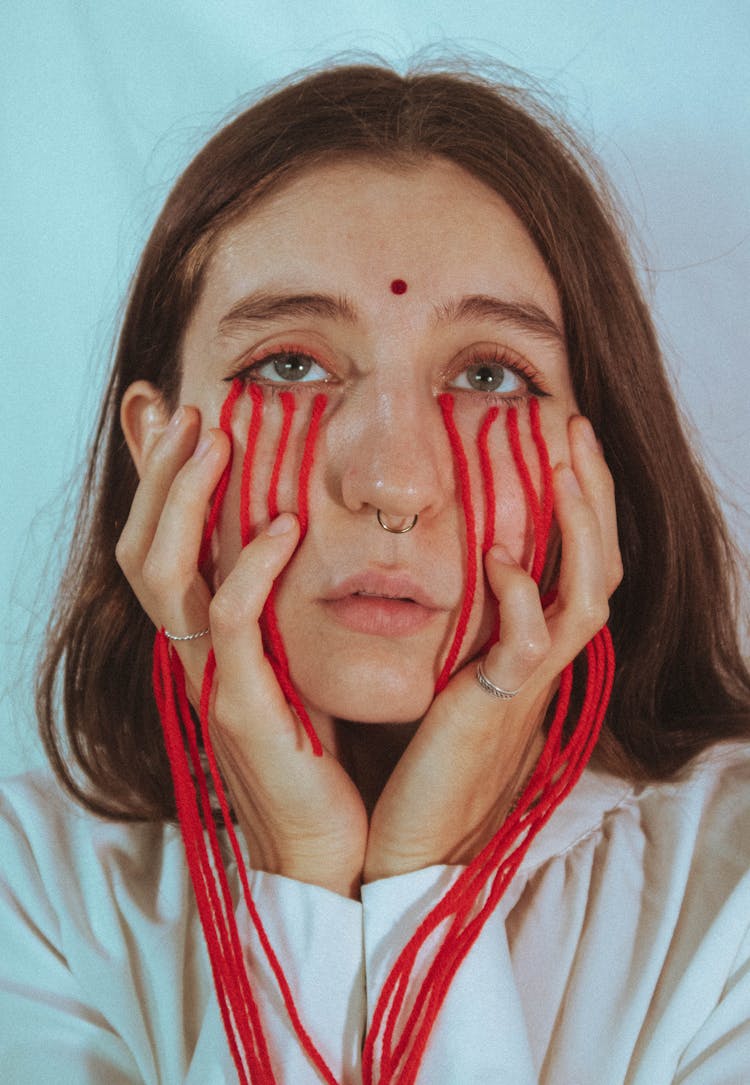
[{"x": 369, "y": 753}]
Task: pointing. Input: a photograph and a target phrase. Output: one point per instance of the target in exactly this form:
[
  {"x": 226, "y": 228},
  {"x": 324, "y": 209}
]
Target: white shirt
[{"x": 620, "y": 953}]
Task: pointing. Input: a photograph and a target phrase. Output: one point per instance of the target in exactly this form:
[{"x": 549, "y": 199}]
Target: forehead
[{"x": 354, "y": 226}]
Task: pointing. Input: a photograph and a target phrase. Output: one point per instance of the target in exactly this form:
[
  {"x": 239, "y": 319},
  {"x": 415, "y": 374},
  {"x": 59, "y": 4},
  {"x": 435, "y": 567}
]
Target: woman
[{"x": 383, "y": 358}]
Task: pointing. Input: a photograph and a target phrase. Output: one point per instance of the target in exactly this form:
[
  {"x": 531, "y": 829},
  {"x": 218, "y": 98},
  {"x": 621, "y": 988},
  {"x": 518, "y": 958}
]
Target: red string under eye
[
  {"x": 464, "y": 481},
  {"x": 256, "y": 420},
  {"x": 225, "y": 424},
  {"x": 275, "y": 646},
  {"x": 485, "y": 464}
]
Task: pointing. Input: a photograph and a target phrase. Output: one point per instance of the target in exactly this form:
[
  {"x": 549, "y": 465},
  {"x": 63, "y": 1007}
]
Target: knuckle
[
  {"x": 594, "y": 616},
  {"x": 125, "y": 552},
  {"x": 185, "y": 490},
  {"x": 616, "y": 572},
  {"x": 532, "y": 650},
  {"x": 225, "y": 612},
  {"x": 156, "y": 575}
]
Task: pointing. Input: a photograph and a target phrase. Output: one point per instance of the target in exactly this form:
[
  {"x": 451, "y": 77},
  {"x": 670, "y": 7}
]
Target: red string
[
  {"x": 223, "y": 917},
  {"x": 488, "y": 478},
  {"x": 555, "y": 775},
  {"x": 308, "y": 456},
  {"x": 271, "y": 957},
  {"x": 256, "y": 419},
  {"x": 547, "y": 499},
  {"x": 225, "y": 424},
  {"x": 288, "y": 403},
  {"x": 202, "y": 876},
  {"x": 532, "y": 500},
  {"x": 464, "y": 482},
  {"x": 464, "y": 909},
  {"x": 276, "y": 650}
]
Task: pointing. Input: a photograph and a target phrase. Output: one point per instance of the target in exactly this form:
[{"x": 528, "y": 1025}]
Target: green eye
[
  {"x": 490, "y": 377},
  {"x": 291, "y": 367},
  {"x": 280, "y": 367}
]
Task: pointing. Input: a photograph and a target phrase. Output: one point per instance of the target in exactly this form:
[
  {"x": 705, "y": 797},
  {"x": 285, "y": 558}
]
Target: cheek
[
  {"x": 510, "y": 468},
  {"x": 273, "y": 444}
]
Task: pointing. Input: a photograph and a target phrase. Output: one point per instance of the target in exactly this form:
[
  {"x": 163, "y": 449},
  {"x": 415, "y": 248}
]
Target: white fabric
[{"x": 620, "y": 954}]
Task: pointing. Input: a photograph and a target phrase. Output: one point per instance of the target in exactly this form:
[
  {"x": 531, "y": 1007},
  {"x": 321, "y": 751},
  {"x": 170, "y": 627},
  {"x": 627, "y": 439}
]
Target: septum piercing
[{"x": 396, "y": 530}]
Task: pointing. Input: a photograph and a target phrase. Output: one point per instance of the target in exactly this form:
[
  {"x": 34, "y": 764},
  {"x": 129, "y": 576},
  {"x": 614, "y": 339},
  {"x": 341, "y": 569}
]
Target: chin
[{"x": 370, "y": 694}]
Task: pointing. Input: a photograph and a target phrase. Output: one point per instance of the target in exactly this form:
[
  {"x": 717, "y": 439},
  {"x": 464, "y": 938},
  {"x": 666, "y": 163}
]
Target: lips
[
  {"x": 381, "y": 585},
  {"x": 381, "y": 604}
]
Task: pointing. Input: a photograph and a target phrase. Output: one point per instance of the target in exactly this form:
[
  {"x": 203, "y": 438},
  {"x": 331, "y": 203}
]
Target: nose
[{"x": 397, "y": 459}]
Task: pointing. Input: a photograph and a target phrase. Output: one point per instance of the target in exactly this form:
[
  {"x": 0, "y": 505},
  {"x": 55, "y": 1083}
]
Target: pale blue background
[{"x": 102, "y": 104}]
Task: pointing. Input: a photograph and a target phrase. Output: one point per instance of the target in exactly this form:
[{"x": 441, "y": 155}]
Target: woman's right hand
[{"x": 302, "y": 816}]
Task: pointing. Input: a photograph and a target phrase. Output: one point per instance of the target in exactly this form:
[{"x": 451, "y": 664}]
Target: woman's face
[{"x": 300, "y": 296}]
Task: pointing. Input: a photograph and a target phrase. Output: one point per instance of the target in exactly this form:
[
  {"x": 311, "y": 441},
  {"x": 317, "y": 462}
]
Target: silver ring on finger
[
  {"x": 188, "y": 636},
  {"x": 491, "y": 688}
]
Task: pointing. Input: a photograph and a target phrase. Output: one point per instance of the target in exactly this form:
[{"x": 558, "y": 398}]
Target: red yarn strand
[
  {"x": 276, "y": 651},
  {"x": 487, "y": 876},
  {"x": 289, "y": 404},
  {"x": 225, "y": 424},
  {"x": 488, "y": 478},
  {"x": 256, "y": 395},
  {"x": 532, "y": 500},
  {"x": 192, "y": 835},
  {"x": 464, "y": 481},
  {"x": 555, "y": 775},
  {"x": 547, "y": 499},
  {"x": 308, "y": 457},
  {"x": 271, "y": 957}
]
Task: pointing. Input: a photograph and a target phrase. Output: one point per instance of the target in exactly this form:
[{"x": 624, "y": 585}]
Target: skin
[{"x": 407, "y": 779}]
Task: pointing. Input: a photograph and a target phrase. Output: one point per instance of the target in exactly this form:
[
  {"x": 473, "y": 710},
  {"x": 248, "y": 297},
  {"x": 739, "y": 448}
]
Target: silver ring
[
  {"x": 188, "y": 636},
  {"x": 396, "y": 530},
  {"x": 490, "y": 687}
]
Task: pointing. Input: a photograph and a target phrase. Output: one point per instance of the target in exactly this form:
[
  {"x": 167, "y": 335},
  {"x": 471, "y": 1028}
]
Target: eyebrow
[
  {"x": 525, "y": 315},
  {"x": 263, "y": 306}
]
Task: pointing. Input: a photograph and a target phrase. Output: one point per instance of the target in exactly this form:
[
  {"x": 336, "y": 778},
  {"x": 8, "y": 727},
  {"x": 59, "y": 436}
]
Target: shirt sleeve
[
  {"x": 317, "y": 937},
  {"x": 46, "y": 1020},
  {"x": 720, "y": 1052},
  {"x": 480, "y": 1030}
]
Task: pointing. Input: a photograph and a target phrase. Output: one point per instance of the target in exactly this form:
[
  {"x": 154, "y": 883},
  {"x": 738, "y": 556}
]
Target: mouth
[{"x": 382, "y": 604}]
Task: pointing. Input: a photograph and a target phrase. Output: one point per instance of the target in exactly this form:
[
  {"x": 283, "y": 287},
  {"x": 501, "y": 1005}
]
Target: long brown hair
[{"x": 681, "y": 682}]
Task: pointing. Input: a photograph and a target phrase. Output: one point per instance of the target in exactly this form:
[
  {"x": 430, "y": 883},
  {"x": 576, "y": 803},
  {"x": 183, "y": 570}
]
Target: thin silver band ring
[
  {"x": 490, "y": 687},
  {"x": 188, "y": 636},
  {"x": 396, "y": 530}
]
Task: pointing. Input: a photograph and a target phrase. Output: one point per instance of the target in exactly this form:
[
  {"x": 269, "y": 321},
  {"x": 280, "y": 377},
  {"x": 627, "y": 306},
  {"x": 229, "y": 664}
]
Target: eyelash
[{"x": 512, "y": 364}]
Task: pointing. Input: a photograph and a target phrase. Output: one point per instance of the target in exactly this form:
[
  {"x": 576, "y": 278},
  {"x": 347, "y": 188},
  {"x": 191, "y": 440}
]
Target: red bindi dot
[{"x": 398, "y": 286}]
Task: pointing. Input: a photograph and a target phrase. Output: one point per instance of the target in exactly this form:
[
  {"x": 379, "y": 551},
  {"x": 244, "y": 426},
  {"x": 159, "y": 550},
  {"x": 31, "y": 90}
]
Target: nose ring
[{"x": 407, "y": 524}]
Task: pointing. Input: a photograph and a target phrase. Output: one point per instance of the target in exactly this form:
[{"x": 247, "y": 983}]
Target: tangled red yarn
[{"x": 396, "y": 1041}]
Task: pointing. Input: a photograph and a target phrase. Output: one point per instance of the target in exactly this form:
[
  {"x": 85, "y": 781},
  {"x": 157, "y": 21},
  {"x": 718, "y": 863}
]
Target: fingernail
[
  {"x": 500, "y": 553},
  {"x": 204, "y": 445},
  {"x": 282, "y": 525},
  {"x": 176, "y": 419}
]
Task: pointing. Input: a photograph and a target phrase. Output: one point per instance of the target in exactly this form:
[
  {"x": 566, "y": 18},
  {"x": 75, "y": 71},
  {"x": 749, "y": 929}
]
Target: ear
[{"x": 143, "y": 417}]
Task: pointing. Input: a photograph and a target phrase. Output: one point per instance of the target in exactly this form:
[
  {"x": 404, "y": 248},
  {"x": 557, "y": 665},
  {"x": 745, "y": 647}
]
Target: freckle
[{"x": 398, "y": 286}]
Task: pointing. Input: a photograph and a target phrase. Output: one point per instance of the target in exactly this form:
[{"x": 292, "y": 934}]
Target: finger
[
  {"x": 172, "y": 449},
  {"x": 581, "y": 608},
  {"x": 598, "y": 488},
  {"x": 170, "y": 570},
  {"x": 249, "y": 700},
  {"x": 524, "y": 640}
]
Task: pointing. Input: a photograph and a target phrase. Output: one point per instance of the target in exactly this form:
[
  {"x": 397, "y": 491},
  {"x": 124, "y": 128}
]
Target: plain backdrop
[{"x": 104, "y": 102}]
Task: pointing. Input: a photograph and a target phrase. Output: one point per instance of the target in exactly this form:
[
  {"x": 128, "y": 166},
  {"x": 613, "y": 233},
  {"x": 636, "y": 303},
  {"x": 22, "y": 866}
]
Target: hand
[
  {"x": 302, "y": 816},
  {"x": 471, "y": 755}
]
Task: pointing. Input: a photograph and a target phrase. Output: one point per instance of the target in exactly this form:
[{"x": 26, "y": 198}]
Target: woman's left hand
[{"x": 472, "y": 753}]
